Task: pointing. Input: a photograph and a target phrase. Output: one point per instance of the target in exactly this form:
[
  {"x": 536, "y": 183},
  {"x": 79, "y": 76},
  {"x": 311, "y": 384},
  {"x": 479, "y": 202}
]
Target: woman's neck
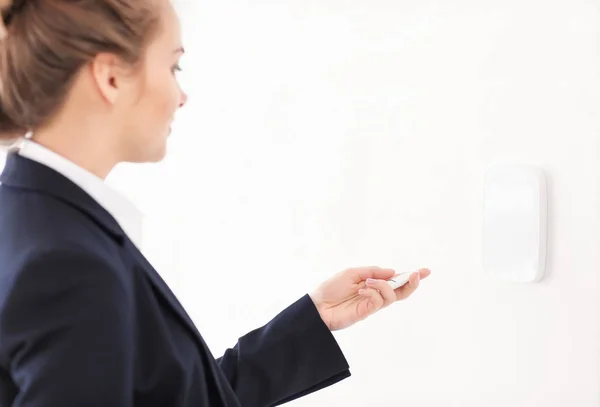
[{"x": 86, "y": 148}]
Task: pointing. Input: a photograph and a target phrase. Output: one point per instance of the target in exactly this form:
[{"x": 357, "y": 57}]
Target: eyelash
[{"x": 176, "y": 68}]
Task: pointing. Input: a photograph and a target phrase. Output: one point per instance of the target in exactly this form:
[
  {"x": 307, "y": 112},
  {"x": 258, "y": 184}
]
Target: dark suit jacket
[{"x": 86, "y": 321}]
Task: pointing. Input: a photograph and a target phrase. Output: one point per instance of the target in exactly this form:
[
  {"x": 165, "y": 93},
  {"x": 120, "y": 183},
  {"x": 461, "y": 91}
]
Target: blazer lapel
[{"x": 164, "y": 290}]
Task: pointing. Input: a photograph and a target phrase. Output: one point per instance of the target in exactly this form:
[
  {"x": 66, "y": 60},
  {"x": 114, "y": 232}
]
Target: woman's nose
[{"x": 183, "y": 99}]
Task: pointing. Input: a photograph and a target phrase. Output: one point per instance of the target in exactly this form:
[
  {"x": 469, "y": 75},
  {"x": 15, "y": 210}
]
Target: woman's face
[{"x": 154, "y": 95}]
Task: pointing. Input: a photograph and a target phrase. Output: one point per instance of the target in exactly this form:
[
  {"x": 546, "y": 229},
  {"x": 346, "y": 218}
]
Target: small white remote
[{"x": 399, "y": 280}]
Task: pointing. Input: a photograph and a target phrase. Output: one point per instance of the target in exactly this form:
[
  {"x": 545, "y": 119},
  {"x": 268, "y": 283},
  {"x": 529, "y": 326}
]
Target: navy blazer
[{"x": 86, "y": 321}]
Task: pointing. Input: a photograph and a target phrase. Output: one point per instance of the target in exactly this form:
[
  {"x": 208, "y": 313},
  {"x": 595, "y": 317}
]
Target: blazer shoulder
[{"x": 32, "y": 221}]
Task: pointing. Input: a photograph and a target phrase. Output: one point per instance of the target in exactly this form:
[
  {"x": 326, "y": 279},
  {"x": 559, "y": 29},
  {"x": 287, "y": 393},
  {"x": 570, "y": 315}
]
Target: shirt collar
[{"x": 127, "y": 215}]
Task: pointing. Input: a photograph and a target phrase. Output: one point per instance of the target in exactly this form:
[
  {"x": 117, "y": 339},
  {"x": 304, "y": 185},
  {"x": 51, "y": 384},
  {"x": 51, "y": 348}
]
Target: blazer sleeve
[
  {"x": 66, "y": 332},
  {"x": 293, "y": 355}
]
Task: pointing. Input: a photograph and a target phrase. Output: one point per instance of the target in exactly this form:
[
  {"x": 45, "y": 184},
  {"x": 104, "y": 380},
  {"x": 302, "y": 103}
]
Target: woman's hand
[{"x": 356, "y": 293}]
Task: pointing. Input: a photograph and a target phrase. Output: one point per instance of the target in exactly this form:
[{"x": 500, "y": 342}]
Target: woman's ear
[{"x": 108, "y": 74}]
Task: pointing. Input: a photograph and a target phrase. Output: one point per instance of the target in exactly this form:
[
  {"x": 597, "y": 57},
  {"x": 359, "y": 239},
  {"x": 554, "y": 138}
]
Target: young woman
[{"x": 85, "y": 320}]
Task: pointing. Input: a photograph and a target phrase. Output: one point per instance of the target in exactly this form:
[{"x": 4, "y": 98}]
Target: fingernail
[{"x": 370, "y": 280}]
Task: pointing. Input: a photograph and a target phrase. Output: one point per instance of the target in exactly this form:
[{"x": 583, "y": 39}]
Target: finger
[
  {"x": 362, "y": 273},
  {"x": 424, "y": 273},
  {"x": 374, "y": 301},
  {"x": 387, "y": 293},
  {"x": 406, "y": 290}
]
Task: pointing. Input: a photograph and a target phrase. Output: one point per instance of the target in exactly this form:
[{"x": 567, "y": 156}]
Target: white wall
[{"x": 326, "y": 134}]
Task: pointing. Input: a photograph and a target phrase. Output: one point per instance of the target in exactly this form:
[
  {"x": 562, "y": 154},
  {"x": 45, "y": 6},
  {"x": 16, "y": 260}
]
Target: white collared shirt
[{"x": 127, "y": 215}]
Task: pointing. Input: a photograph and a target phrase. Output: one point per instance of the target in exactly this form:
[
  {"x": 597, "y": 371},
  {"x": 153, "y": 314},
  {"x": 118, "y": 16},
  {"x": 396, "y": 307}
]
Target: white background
[{"x": 326, "y": 134}]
